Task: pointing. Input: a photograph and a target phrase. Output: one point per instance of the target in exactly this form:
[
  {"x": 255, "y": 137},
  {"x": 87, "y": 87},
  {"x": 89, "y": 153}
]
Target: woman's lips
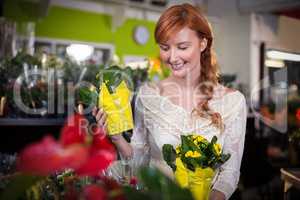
[{"x": 177, "y": 67}]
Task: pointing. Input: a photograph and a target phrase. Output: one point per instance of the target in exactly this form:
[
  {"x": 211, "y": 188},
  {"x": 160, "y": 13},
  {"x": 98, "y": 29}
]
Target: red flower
[
  {"x": 96, "y": 162},
  {"x": 133, "y": 181},
  {"x": 49, "y": 156},
  {"x": 100, "y": 141},
  {"x": 74, "y": 130},
  {"x": 94, "y": 192},
  {"x": 114, "y": 188},
  {"x": 298, "y": 114}
]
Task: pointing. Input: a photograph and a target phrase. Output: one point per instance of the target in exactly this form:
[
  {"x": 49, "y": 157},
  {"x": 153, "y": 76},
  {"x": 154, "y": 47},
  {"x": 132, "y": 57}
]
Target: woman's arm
[
  {"x": 228, "y": 176},
  {"x": 217, "y": 195},
  {"x": 121, "y": 144},
  {"x": 139, "y": 139}
]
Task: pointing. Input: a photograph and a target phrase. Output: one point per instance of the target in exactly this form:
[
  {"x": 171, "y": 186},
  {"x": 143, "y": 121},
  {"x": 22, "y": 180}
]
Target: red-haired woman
[{"x": 190, "y": 100}]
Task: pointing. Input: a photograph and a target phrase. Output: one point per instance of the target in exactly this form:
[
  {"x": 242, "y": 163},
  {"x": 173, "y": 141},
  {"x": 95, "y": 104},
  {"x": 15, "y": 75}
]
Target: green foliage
[
  {"x": 112, "y": 76},
  {"x": 87, "y": 96},
  {"x": 169, "y": 155},
  {"x": 195, "y": 151},
  {"x": 18, "y": 185},
  {"x": 157, "y": 187}
]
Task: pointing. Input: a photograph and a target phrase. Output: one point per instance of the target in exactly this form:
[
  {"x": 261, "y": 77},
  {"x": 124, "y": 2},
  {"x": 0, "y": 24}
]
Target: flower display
[
  {"x": 194, "y": 162},
  {"x": 87, "y": 153}
]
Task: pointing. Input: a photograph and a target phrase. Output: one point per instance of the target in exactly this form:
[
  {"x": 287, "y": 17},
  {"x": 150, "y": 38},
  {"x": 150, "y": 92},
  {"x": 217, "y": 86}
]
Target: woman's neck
[{"x": 189, "y": 82}]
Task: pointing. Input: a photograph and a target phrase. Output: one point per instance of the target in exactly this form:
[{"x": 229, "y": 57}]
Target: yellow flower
[
  {"x": 188, "y": 154},
  {"x": 177, "y": 149},
  {"x": 192, "y": 154},
  {"x": 200, "y": 138},
  {"x": 217, "y": 148},
  {"x": 196, "y": 154},
  {"x": 195, "y": 142}
]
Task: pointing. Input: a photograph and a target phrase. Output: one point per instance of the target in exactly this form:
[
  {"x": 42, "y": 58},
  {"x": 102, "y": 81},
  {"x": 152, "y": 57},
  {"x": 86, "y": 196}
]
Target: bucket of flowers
[{"x": 194, "y": 163}]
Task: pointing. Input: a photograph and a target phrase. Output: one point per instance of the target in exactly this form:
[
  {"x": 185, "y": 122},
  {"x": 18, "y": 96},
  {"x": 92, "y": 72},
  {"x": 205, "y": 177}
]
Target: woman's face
[{"x": 182, "y": 52}]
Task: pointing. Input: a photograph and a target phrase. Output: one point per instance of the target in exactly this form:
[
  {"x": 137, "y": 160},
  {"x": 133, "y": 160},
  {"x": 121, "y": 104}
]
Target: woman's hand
[
  {"x": 216, "y": 195},
  {"x": 101, "y": 117},
  {"x": 122, "y": 145}
]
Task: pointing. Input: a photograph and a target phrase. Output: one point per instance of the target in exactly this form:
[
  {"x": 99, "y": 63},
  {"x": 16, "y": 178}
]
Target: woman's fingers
[
  {"x": 102, "y": 119},
  {"x": 99, "y": 115},
  {"x": 94, "y": 111},
  {"x": 80, "y": 109},
  {"x": 105, "y": 125}
]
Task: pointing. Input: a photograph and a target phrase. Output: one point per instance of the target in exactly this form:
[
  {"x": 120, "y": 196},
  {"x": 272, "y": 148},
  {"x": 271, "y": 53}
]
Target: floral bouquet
[
  {"x": 115, "y": 98},
  {"x": 194, "y": 162}
]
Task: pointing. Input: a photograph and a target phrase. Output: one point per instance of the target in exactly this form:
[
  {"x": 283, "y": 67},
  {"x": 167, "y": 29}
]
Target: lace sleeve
[
  {"x": 228, "y": 176},
  {"x": 139, "y": 140}
]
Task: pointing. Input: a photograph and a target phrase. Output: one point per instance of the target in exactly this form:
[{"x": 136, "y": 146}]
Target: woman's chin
[{"x": 179, "y": 73}]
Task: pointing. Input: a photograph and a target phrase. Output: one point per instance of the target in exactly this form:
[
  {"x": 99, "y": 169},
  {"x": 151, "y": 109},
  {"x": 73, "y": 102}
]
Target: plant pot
[{"x": 198, "y": 181}]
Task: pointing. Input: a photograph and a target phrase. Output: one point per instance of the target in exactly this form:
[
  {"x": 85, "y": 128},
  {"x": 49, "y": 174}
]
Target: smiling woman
[
  {"x": 190, "y": 100},
  {"x": 182, "y": 53},
  {"x": 185, "y": 39}
]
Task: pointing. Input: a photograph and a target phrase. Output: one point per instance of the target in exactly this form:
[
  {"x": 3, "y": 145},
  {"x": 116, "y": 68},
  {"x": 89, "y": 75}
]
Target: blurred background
[{"x": 53, "y": 42}]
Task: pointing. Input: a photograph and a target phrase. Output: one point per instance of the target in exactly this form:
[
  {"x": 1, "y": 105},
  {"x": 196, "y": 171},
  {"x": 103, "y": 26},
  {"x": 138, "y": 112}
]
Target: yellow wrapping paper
[
  {"x": 199, "y": 182},
  {"x": 117, "y": 107}
]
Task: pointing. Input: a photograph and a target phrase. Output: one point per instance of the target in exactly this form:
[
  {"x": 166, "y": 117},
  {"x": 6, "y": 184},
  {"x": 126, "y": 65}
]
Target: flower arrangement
[
  {"x": 194, "y": 162},
  {"x": 196, "y": 151},
  {"x": 73, "y": 166}
]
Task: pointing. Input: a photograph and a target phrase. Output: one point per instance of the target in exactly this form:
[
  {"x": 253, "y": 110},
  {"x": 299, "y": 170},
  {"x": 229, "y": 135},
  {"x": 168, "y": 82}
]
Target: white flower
[{"x": 138, "y": 65}]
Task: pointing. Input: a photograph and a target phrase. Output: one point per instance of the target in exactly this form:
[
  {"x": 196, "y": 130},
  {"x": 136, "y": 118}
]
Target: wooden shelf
[{"x": 31, "y": 121}]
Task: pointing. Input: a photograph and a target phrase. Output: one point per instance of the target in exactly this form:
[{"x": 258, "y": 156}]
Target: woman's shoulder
[
  {"x": 153, "y": 87},
  {"x": 148, "y": 88},
  {"x": 226, "y": 92},
  {"x": 229, "y": 98}
]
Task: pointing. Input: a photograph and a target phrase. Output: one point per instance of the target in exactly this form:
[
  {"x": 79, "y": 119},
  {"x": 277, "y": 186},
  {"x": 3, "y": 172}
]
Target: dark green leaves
[
  {"x": 196, "y": 151},
  {"x": 157, "y": 187},
  {"x": 18, "y": 185},
  {"x": 114, "y": 75},
  {"x": 87, "y": 96},
  {"x": 169, "y": 155}
]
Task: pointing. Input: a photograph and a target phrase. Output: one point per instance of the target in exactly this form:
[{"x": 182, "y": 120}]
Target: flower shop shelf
[{"x": 31, "y": 121}]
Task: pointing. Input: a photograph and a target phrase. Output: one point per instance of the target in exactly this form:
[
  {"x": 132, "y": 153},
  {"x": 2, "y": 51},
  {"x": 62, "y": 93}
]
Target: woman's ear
[{"x": 203, "y": 44}]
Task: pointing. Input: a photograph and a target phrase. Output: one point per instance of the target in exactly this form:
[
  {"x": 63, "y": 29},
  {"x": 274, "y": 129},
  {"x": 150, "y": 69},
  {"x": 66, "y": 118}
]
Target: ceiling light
[
  {"x": 274, "y": 63},
  {"x": 274, "y": 54},
  {"x": 80, "y": 52}
]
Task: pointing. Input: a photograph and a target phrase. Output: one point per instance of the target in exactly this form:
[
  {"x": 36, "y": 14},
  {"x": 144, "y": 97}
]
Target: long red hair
[{"x": 173, "y": 20}]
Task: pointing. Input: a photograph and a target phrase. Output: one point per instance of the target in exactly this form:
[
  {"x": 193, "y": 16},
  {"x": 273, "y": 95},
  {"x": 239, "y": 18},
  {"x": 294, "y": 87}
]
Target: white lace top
[{"x": 158, "y": 121}]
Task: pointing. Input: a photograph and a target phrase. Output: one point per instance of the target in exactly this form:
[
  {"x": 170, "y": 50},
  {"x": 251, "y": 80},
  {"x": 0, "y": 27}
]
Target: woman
[{"x": 189, "y": 100}]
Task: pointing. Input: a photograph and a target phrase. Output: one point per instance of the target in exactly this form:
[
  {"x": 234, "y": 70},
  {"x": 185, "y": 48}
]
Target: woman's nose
[{"x": 173, "y": 56}]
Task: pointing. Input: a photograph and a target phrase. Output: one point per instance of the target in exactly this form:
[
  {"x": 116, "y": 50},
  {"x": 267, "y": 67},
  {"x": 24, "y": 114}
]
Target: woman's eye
[
  {"x": 182, "y": 48},
  {"x": 164, "y": 48}
]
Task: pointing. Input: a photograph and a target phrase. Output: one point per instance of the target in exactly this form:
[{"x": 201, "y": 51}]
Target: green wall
[{"x": 72, "y": 24}]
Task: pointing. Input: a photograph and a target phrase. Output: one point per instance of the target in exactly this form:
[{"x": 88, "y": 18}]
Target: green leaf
[
  {"x": 160, "y": 187},
  {"x": 184, "y": 144},
  {"x": 113, "y": 76},
  {"x": 214, "y": 139},
  {"x": 225, "y": 157},
  {"x": 87, "y": 97},
  {"x": 169, "y": 155},
  {"x": 133, "y": 194},
  {"x": 18, "y": 185}
]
